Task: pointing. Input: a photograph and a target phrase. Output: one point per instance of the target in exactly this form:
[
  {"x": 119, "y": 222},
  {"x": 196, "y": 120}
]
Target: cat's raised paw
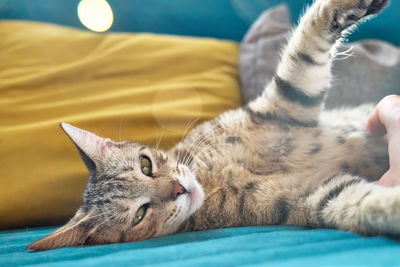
[
  {"x": 339, "y": 15},
  {"x": 374, "y": 6}
]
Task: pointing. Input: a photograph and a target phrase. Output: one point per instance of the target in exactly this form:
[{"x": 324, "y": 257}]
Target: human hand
[{"x": 385, "y": 119}]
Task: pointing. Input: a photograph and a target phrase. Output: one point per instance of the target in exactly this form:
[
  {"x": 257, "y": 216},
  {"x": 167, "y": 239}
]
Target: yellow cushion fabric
[{"x": 123, "y": 86}]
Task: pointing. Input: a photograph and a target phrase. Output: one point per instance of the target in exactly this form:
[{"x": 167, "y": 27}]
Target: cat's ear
[
  {"x": 91, "y": 147},
  {"x": 74, "y": 233}
]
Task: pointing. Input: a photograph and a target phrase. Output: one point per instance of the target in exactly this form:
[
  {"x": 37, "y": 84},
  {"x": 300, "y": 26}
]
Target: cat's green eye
[
  {"x": 145, "y": 166},
  {"x": 141, "y": 212}
]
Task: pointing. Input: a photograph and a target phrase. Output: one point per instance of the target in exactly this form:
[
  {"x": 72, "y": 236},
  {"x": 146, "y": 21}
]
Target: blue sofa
[{"x": 250, "y": 246}]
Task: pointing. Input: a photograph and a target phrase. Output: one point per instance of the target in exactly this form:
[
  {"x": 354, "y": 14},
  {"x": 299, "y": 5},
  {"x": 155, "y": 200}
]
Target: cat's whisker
[
  {"x": 205, "y": 150},
  {"x": 159, "y": 140},
  {"x": 120, "y": 130},
  {"x": 346, "y": 54},
  {"x": 196, "y": 139},
  {"x": 183, "y": 136},
  {"x": 197, "y": 164},
  {"x": 196, "y": 161},
  {"x": 205, "y": 138},
  {"x": 199, "y": 141},
  {"x": 201, "y": 150},
  {"x": 198, "y": 148}
]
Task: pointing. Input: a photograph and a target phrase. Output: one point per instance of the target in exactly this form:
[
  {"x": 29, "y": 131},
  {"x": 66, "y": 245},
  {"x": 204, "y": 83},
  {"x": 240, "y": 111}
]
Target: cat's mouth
[{"x": 178, "y": 189}]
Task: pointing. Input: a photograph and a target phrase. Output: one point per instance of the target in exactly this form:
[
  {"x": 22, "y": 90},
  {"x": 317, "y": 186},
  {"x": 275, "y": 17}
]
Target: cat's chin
[
  {"x": 195, "y": 193},
  {"x": 196, "y": 196}
]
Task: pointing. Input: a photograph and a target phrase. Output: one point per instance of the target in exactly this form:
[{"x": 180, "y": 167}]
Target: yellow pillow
[{"x": 123, "y": 86}]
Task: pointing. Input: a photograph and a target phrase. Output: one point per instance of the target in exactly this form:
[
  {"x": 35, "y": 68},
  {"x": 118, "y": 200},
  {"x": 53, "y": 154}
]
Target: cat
[{"x": 280, "y": 160}]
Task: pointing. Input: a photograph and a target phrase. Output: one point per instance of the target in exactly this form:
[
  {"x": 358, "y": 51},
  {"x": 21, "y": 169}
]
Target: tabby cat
[{"x": 280, "y": 160}]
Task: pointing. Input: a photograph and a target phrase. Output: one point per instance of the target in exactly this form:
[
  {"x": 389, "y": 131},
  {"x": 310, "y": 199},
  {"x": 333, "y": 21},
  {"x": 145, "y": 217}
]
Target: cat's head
[{"x": 134, "y": 192}]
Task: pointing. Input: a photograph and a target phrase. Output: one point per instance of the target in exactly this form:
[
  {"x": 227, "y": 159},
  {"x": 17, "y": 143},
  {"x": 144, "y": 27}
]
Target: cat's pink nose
[{"x": 177, "y": 189}]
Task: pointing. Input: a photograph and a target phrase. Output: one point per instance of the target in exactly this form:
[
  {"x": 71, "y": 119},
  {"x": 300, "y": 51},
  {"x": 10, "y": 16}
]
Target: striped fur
[{"x": 279, "y": 160}]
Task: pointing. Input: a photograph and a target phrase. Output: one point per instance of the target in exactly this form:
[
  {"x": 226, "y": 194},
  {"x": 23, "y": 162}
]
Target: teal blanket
[{"x": 270, "y": 245}]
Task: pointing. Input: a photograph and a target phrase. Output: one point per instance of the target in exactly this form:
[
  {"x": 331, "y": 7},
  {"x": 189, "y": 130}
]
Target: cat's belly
[
  {"x": 325, "y": 150},
  {"x": 244, "y": 171},
  {"x": 244, "y": 164}
]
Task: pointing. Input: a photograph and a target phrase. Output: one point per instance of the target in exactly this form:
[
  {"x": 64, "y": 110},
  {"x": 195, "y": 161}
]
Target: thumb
[{"x": 374, "y": 124}]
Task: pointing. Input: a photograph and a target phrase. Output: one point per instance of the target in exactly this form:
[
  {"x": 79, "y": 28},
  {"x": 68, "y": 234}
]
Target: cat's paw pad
[
  {"x": 374, "y": 6},
  {"x": 346, "y": 13}
]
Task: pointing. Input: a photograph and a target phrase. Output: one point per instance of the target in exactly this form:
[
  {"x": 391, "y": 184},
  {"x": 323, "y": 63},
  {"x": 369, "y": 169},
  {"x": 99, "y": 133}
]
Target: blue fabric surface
[
  {"x": 272, "y": 245},
  {"x": 224, "y": 19}
]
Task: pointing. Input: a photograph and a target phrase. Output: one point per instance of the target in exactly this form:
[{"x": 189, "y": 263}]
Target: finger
[{"x": 374, "y": 124}]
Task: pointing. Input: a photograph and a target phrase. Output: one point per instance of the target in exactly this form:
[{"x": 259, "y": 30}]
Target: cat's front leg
[
  {"x": 296, "y": 93},
  {"x": 350, "y": 203}
]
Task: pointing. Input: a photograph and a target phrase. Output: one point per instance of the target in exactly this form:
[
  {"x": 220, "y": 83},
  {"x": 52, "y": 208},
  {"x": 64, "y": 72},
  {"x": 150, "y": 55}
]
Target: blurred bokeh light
[{"x": 96, "y": 15}]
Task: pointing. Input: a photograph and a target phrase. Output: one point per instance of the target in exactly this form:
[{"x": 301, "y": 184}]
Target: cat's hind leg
[
  {"x": 350, "y": 203},
  {"x": 296, "y": 93}
]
